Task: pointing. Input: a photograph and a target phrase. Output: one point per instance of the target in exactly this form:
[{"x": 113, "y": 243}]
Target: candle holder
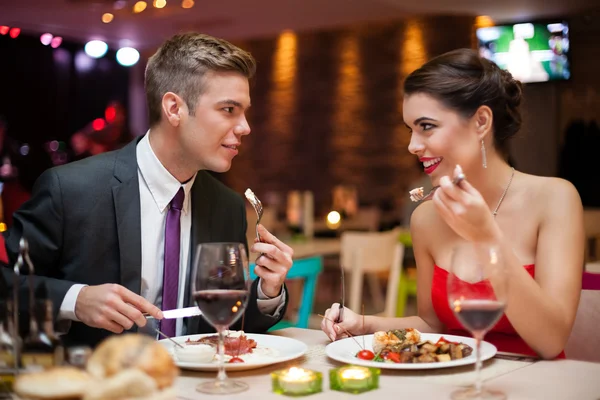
[
  {"x": 354, "y": 379},
  {"x": 297, "y": 382}
]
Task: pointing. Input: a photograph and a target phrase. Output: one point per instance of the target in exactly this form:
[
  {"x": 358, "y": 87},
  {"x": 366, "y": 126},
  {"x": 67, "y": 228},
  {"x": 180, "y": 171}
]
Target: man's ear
[
  {"x": 484, "y": 121},
  {"x": 174, "y": 108}
]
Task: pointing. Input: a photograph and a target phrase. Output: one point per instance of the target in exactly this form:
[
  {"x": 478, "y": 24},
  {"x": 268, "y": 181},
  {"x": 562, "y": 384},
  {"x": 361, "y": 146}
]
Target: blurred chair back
[
  {"x": 591, "y": 225},
  {"x": 371, "y": 253},
  {"x": 367, "y": 218},
  {"x": 307, "y": 269},
  {"x": 584, "y": 342}
]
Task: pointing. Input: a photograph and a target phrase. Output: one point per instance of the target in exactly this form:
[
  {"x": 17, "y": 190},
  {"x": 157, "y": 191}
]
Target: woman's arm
[{"x": 543, "y": 310}]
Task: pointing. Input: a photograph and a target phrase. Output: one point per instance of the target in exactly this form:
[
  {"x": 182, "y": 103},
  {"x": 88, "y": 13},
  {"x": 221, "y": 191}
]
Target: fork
[
  {"x": 340, "y": 317},
  {"x": 258, "y": 207},
  {"x": 167, "y": 337},
  {"x": 419, "y": 197}
]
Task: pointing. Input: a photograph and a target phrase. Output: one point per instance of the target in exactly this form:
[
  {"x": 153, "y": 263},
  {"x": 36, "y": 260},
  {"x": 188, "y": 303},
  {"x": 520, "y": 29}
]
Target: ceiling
[{"x": 238, "y": 19}]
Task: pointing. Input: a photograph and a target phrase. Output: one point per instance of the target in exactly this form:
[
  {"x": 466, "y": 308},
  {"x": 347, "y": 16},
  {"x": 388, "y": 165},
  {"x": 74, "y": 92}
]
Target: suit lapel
[
  {"x": 201, "y": 211},
  {"x": 201, "y": 233},
  {"x": 126, "y": 197},
  {"x": 201, "y": 223}
]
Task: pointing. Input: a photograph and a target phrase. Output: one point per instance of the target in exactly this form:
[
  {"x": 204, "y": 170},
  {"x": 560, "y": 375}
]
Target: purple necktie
[{"x": 171, "y": 267}]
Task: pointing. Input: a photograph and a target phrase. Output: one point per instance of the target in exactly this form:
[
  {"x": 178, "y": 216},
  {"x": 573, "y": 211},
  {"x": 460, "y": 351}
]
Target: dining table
[
  {"x": 315, "y": 247},
  {"x": 518, "y": 377}
]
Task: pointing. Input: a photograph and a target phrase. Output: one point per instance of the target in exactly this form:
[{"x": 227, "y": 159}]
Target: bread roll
[
  {"x": 139, "y": 351},
  {"x": 55, "y": 383},
  {"x": 166, "y": 394},
  {"x": 129, "y": 383}
]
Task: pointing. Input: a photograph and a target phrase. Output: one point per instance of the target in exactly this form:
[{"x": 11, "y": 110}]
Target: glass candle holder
[
  {"x": 297, "y": 381},
  {"x": 354, "y": 379}
]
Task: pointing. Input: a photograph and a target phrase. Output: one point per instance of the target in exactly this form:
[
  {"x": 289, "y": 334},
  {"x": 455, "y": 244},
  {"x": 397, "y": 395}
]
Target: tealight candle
[
  {"x": 354, "y": 379},
  {"x": 297, "y": 381}
]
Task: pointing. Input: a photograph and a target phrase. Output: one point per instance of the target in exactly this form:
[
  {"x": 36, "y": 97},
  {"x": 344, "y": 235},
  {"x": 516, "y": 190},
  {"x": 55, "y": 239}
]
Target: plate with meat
[
  {"x": 243, "y": 351},
  {"x": 408, "y": 349}
]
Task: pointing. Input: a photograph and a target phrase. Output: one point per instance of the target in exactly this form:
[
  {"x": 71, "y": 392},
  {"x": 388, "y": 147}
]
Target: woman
[{"x": 461, "y": 109}]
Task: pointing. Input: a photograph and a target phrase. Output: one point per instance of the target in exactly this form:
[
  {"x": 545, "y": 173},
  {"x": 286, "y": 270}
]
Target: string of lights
[{"x": 123, "y": 6}]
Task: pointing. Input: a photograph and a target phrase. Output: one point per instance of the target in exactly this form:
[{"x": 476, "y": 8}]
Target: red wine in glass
[
  {"x": 221, "y": 307},
  {"x": 220, "y": 287},
  {"x": 479, "y": 315},
  {"x": 477, "y": 291}
]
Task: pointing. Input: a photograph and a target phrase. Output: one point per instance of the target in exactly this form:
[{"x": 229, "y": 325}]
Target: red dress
[{"x": 502, "y": 335}]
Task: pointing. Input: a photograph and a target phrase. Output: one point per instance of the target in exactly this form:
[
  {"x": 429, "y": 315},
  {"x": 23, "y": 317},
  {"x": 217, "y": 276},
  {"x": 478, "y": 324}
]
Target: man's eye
[{"x": 228, "y": 109}]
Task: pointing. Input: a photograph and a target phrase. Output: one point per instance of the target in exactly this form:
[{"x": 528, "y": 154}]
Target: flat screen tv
[{"x": 531, "y": 51}]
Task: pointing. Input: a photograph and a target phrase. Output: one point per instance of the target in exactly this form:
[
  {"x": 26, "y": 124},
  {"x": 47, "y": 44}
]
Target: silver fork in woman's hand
[{"x": 417, "y": 194}]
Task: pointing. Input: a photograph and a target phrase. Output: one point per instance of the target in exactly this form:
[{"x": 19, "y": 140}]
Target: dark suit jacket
[{"x": 83, "y": 226}]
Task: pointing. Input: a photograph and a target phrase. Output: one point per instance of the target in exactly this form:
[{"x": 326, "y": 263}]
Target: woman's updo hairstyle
[{"x": 463, "y": 81}]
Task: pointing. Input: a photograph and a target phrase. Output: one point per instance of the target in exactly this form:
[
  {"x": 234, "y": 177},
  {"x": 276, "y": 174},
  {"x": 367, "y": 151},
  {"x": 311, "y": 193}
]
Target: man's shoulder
[
  {"x": 220, "y": 191},
  {"x": 92, "y": 172},
  {"x": 101, "y": 165},
  {"x": 87, "y": 169}
]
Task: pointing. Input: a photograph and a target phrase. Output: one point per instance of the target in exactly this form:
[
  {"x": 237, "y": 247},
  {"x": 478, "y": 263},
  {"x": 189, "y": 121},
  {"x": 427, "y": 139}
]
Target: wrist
[
  {"x": 368, "y": 326},
  {"x": 76, "y": 309},
  {"x": 493, "y": 236},
  {"x": 270, "y": 290}
]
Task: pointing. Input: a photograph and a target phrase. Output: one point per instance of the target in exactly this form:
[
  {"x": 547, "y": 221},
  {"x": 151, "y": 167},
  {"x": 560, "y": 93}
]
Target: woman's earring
[{"x": 483, "y": 156}]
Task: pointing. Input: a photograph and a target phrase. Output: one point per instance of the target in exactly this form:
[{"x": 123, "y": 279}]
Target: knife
[
  {"x": 178, "y": 313},
  {"x": 340, "y": 317}
]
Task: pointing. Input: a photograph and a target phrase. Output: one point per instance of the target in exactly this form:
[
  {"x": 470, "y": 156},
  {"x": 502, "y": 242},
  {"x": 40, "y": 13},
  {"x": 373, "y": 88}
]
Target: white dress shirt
[{"x": 157, "y": 189}]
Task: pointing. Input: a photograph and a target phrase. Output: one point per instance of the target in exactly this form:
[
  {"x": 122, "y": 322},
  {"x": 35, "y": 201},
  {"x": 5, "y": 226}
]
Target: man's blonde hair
[{"x": 180, "y": 64}]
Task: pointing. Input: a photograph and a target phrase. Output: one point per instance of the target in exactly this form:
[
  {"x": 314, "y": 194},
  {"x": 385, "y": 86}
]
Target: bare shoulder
[
  {"x": 556, "y": 195},
  {"x": 423, "y": 217},
  {"x": 426, "y": 226}
]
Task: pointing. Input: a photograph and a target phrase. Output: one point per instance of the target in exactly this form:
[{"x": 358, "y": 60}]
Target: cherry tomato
[
  {"x": 394, "y": 357},
  {"x": 365, "y": 355},
  {"x": 234, "y": 360}
]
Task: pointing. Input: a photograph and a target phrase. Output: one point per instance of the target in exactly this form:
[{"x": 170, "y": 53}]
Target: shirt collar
[{"x": 162, "y": 185}]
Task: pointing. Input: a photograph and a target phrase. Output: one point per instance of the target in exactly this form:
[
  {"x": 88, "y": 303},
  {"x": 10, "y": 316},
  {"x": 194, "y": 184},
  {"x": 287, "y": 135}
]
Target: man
[{"x": 97, "y": 228}]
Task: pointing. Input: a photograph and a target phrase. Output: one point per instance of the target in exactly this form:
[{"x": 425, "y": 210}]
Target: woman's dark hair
[{"x": 463, "y": 81}]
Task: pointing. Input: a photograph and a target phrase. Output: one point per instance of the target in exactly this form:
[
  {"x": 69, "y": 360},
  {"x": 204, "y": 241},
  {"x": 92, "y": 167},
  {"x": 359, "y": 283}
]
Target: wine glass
[
  {"x": 477, "y": 291},
  {"x": 221, "y": 287}
]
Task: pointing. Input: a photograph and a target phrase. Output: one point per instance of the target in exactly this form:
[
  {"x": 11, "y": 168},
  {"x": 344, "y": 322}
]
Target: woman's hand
[
  {"x": 464, "y": 210},
  {"x": 351, "y": 325}
]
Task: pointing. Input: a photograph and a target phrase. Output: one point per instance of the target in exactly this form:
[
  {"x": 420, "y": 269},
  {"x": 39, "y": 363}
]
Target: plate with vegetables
[{"x": 408, "y": 349}]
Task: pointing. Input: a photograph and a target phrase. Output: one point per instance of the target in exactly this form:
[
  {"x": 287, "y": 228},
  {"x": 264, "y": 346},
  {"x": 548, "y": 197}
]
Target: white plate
[
  {"x": 345, "y": 350},
  {"x": 286, "y": 349}
]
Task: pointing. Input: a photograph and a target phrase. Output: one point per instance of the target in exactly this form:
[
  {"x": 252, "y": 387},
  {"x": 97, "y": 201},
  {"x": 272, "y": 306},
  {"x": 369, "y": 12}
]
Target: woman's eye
[{"x": 426, "y": 126}]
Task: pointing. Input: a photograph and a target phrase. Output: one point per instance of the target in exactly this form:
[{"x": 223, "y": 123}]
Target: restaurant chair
[
  {"x": 591, "y": 226},
  {"x": 369, "y": 254},
  {"x": 584, "y": 342},
  {"x": 307, "y": 269},
  {"x": 406, "y": 287},
  {"x": 408, "y": 279}
]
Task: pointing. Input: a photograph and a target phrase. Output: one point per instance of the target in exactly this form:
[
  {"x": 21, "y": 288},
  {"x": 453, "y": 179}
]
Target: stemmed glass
[
  {"x": 477, "y": 291},
  {"x": 221, "y": 287}
]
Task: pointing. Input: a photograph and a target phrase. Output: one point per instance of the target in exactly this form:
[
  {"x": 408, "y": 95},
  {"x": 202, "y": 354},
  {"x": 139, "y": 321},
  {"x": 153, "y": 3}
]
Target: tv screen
[{"x": 532, "y": 52}]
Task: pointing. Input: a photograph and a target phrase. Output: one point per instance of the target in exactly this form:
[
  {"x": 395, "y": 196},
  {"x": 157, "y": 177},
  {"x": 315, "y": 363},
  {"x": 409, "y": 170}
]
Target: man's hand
[
  {"x": 113, "y": 307},
  {"x": 274, "y": 263}
]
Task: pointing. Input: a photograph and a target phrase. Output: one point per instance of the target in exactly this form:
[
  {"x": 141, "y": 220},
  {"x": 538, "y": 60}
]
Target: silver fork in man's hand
[{"x": 258, "y": 207}]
